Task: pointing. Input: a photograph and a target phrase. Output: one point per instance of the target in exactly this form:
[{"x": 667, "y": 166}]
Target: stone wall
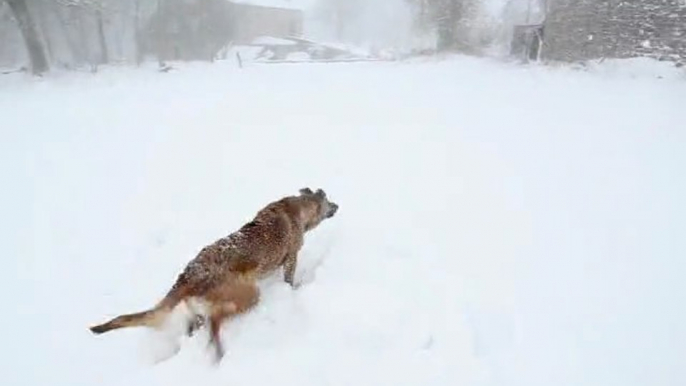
[{"x": 592, "y": 29}]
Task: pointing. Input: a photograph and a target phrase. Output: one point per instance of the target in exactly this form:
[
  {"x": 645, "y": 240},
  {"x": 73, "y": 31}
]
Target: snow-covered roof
[
  {"x": 287, "y": 4},
  {"x": 272, "y": 41}
]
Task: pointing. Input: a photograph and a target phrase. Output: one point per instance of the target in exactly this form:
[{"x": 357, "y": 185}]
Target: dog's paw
[{"x": 297, "y": 285}]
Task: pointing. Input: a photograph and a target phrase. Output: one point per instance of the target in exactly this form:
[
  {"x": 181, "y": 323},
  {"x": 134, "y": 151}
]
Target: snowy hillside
[{"x": 498, "y": 225}]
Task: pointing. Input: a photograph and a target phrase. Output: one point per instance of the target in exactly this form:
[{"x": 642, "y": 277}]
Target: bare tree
[
  {"x": 451, "y": 20},
  {"x": 34, "y": 46}
]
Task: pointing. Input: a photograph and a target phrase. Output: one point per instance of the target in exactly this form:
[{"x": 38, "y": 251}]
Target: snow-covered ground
[{"x": 498, "y": 225}]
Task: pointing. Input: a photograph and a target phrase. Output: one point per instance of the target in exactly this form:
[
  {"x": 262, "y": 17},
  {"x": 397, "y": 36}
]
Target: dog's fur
[{"x": 221, "y": 281}]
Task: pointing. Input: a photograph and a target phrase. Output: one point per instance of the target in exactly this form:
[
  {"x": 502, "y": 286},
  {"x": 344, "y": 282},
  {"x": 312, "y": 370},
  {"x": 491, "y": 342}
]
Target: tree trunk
[
  {"x": 160, "y": 32},
  {"x": 104, "y": 57},
  {"x": 42, "y": 22},
  {"x": 75, "y": 50},
  {"x": 447, "y": 16},
  {"x": 137, "y": 33},
  {"x": 34, "y": 47}
]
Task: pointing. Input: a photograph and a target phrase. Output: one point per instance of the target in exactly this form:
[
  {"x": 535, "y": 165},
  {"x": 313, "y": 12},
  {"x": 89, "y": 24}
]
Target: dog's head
[{"x": 319, "y": 208}]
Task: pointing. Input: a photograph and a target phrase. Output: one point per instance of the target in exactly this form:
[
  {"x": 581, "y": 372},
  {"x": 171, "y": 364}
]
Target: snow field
[{"x": 498, "y": 225}]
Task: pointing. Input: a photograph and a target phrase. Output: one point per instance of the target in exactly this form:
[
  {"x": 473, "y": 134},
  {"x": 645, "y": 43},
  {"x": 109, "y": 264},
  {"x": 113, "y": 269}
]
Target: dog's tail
[
  {"x": 154, "y": 317},
  {"x": 151, "y": 318}
]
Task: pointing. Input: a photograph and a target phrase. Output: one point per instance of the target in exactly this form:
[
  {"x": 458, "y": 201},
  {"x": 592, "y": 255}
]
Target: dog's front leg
[{"x": 289, "y": 266}]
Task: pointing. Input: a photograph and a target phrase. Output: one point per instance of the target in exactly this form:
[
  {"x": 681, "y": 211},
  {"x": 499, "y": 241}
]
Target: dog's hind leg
[
  {"x": 197, "y": 319},
  {"x": 227, "y": 301},
  {"x": 216, "y": 320},
  {"x": 194, "y": 324}
]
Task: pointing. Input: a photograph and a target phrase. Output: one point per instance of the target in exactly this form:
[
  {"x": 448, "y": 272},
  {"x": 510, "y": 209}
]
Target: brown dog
[{"x": 221, "y": 281}]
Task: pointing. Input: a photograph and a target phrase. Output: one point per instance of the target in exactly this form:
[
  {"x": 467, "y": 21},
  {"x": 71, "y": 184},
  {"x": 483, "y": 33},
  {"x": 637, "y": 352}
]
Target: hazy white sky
[
  {"x": 375, "y": 23},
  {"x": 494, "y": 6}
]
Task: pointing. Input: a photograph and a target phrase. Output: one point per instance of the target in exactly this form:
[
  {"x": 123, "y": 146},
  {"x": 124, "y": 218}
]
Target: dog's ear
[
  {"x": 320, "y": 193},
  {"x": 306, "y": 191}
]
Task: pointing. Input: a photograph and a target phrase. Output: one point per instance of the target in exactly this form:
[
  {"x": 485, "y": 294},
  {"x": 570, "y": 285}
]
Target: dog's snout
[{"x": 333, "y": 208}]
